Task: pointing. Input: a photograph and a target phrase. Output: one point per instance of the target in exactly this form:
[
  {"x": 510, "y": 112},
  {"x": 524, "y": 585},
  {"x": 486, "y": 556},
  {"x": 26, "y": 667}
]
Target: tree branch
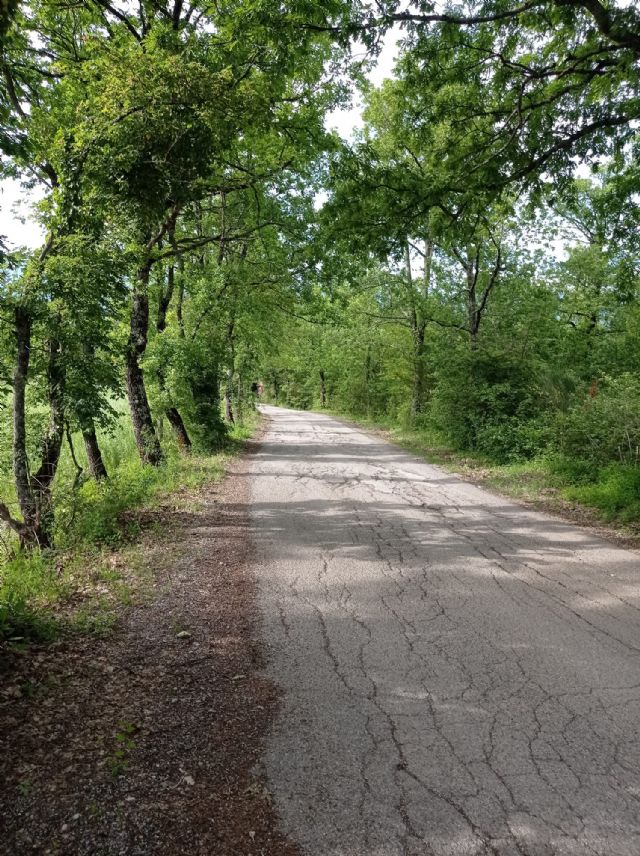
[{"x": 18, "y": 526}]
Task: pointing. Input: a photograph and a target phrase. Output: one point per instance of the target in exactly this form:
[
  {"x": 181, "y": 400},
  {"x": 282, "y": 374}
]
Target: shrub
[
  {"x": 493, "y": 404},
  {"x": 606, "y": 427},
  {"x": 616, "y": 493},
  {"x": 572, "y": 471}
]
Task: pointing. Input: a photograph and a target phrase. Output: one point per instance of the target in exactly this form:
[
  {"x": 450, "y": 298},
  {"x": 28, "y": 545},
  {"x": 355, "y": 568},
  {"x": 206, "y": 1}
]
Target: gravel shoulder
[{"x": 146, "y": 741}]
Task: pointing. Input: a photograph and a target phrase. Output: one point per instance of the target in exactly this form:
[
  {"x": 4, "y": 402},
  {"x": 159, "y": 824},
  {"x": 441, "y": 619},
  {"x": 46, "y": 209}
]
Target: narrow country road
[{"x": 460, "y": 675}]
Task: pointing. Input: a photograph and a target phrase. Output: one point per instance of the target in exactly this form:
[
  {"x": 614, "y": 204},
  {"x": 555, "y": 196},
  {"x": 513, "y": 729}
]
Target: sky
[
  {"x": 345, "y": 122},
  {"x": 16, "y": 225}
]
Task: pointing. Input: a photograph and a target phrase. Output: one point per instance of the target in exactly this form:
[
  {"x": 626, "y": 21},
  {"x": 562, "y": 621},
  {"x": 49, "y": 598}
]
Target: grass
[
  {"x": 615, "y": 493},
  {"x": 610, "y": 493},
  {"x": 99, "y": 564}
]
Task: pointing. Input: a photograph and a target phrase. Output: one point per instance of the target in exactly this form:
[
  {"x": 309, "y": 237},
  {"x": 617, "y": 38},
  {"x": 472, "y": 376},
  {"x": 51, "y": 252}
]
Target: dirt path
[
  {"x": 144, "y": 742},
  {"x": 461, "y": 675}
]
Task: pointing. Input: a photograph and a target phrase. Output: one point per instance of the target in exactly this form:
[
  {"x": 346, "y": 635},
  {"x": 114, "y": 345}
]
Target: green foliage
[
  {"x": 28, "y": 585},
  {"x": 119, "y": 759},
  {"x": 492, "y": 404},
  {"x": 605, "y": 426},
  {"x": 92, "y": 514},
  {"x": 569, "y": 470},
  {"x": 36, "y": 588},
  {"x": 181, "y": 154},
  {"x": 616, "y": 492}
]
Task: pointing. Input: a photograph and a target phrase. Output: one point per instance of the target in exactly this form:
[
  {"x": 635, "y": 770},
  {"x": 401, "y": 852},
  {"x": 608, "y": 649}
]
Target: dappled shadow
[
  {"x": 520, "y": 532},
  {"x": 461, "y": 675},
  {"x": 440, "y": 678}
]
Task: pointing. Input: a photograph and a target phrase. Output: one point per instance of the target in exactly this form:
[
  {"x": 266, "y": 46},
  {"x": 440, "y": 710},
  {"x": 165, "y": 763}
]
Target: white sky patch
[
  {"x": 345, "y": 122},
  {"x": 17, "y": 226}
]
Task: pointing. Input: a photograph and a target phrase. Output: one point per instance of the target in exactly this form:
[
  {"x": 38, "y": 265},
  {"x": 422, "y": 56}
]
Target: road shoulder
[
  {"x": 548, "y": 501},
  {"x": 146, "y": 741}
]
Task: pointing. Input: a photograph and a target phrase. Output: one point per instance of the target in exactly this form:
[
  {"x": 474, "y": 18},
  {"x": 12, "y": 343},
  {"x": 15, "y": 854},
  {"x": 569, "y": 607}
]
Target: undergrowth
[{"x": 96, "y": 564}]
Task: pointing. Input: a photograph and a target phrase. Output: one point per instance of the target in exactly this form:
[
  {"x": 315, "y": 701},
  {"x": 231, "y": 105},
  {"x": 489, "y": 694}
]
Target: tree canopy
[{"x": 467, "y": 263}]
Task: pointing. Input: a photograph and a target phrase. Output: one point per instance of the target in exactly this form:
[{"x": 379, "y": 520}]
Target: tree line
[{"x": 475, "y": 265}]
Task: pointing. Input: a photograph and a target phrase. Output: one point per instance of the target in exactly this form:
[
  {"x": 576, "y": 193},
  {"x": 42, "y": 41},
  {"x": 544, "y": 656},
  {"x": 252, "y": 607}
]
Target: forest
[{"x": 464, "y": 270}]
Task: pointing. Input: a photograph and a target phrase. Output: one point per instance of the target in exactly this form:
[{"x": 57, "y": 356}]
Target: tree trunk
[
  {"x": 417, "y": 331},
  {"x": 164, "y": 300},
  {"x": 228, "y": 402},
  {"x": 72, "y": 452},
  {"x": 20, "y": 459},
  {"x": 473, "y": 313},
  {"x": 94, "y": 455},
  {"x": 367, "y": 380},
  {"x": 146, "y": 438},
  {"x": 34, "y": 491},
  {"x": 428, "y": 262},
  {"x": 228, "y": 390},
  {"x": 97, "y": 468},
  {"x": 419, "y": 385},
  {"x": 172, "y": 413},
  {"x": 419, "y": 393},
  {"x": 240, "y": 399},
  {"x": 42, "y": 480},
  {"x": 323, "y": 389},
  {"x": 180, "y": 301},
  {"x": 179, "y": 428}
]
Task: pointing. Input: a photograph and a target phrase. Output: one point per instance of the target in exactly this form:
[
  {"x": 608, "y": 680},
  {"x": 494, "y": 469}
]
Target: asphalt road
[{"x": 460, "y": 675}]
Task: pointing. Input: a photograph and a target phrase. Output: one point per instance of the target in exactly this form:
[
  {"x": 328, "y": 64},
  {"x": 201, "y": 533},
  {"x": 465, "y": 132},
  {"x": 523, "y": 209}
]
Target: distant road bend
[{"x": 460, "y": 675}]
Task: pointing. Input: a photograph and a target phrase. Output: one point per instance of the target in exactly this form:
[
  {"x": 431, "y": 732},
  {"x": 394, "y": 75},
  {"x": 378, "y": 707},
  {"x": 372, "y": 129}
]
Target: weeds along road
[{"x": 460, "y": 675}]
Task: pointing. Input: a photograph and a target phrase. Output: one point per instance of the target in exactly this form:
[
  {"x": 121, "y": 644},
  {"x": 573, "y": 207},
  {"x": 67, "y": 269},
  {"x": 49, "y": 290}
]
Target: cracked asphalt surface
[{"x": 460, "y": 675}]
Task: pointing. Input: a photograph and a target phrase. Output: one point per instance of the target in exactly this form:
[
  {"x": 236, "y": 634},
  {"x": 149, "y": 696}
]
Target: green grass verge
[{"x": 98, "y": 564}]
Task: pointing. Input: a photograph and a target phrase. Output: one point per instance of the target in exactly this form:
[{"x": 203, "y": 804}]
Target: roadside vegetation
[
  {"x": 101, "y": 561},
  {"x": 466, "y": 268},
  {"x": 584, "y": 455},
  {"x": 580, "y": 448}
]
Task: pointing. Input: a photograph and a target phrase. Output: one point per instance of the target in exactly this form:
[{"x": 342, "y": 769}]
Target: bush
[
  {"x": 606, "y": 427},
  {"x": 492, "y": 404},
  {"x": 90, "y": 514},
  {"x": 511, "y": 439}
]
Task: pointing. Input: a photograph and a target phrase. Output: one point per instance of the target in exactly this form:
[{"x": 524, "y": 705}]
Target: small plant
[
  {"x": 25, "y": 786},
  {"x": 119, "y": 759},
  {"x": 28, "y": 689}
]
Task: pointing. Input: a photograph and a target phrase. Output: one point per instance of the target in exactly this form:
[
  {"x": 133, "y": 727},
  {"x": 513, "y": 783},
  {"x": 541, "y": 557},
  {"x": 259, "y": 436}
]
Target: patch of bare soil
[{"x": 144, "y": 742}]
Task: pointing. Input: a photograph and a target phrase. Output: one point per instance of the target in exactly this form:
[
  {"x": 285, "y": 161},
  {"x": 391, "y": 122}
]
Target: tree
[
  {"x": 511, "y": 93},
  {"x": 135, "y": 122}
]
